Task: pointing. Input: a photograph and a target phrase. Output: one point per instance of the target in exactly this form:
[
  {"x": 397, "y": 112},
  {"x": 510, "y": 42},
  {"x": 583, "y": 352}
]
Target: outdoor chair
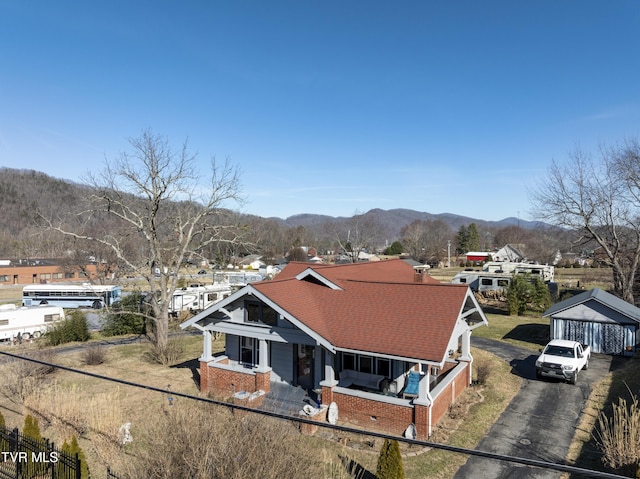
[{"x": 411, "y": 388}]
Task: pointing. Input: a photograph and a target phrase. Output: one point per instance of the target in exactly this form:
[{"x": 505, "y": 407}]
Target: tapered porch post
[
  {"x": 466, "y": 346},
  {"x": 329, "y": 371},
  {"x": 263, "y": 356},
  {"x": 206, "y": 347}
]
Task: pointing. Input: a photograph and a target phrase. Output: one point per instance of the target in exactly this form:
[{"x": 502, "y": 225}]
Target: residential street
[{"x": 539, "y": 423}]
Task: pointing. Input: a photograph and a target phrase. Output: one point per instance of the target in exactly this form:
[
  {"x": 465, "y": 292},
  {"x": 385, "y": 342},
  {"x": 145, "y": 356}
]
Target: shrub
[
  {"x": 167, "y": 356},
  {"x": 4, "y": 444},
  {"x": 482, "y": 372},
  {"x": 126, "y": 317},
  {"x": 527, "y": 292},
  {"x": 73, "y": 328},
  {"x": 94, "y": 355},
  {"x": 31, "y": 428},
  {"x": 74, "y": 448},
  {"x": 20, "y": 378},
  {"x": 390, "y": 461}
]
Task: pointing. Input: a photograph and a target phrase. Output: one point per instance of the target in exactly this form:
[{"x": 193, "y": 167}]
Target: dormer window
[{"x": 260, "y": 313}]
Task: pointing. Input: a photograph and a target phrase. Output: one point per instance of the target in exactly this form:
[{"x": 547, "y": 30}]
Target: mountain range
[{"x": 23, "y": 191}]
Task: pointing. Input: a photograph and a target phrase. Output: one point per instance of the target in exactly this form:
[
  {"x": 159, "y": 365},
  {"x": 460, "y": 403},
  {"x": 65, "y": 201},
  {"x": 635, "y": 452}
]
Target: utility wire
[{"x": 302, "y": 420}]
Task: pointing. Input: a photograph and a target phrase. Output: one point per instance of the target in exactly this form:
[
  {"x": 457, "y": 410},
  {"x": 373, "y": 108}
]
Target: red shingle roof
[{"x": 379, "y": 308}]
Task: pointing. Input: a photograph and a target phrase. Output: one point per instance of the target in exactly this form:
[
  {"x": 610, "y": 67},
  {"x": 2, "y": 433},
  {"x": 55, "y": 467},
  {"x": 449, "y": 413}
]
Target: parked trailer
[
  {"x": 196, "y": 298},
  {"x": 28, "y": 321}
]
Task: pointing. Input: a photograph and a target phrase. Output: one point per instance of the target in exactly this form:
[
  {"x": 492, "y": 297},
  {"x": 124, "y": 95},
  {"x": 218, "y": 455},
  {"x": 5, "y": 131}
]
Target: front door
[{"x": 304, "y": 366}]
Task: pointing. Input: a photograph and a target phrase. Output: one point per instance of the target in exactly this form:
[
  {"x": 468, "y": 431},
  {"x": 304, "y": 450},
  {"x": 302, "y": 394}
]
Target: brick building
[
  {"x": 350, "y": 336},
  {"x": 34, "y": 271}
]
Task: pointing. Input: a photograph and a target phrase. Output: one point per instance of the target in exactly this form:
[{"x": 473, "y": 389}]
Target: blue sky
[{"x": 328, "y": 107}]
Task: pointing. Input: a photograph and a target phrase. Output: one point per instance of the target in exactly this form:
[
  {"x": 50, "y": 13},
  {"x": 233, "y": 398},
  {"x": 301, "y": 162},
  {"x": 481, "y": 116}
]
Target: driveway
[{"x": 540, "y": 421}]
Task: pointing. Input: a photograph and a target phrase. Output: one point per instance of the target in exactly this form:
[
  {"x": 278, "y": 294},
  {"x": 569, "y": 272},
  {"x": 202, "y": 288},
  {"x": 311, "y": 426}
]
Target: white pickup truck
[{"x": 563, "y": 359}]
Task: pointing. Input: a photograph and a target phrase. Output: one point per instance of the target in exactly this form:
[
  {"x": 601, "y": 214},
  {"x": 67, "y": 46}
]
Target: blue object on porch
[{"x": 413, "y": 383}]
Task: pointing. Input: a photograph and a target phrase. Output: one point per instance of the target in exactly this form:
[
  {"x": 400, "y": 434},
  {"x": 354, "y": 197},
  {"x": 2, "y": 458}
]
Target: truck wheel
[
  {"x": 574, "y": 378},
  {"x": 26, "y": 336},
  {"x": 36, "y": 334},
  {"x": 586, "y": 365}
]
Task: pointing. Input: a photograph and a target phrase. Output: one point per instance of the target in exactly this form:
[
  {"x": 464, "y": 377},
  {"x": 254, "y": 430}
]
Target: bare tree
[
  {"x": 155, "y": 198},
  {"x": 356, "y": 235},
  {"x": 601, "y": 199},
  {"x": 426, "y": 240}
]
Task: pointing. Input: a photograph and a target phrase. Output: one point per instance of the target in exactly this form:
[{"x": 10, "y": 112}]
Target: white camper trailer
[
  {"x": 196, "y": 298},
  {"x": 27, "y": 321}
]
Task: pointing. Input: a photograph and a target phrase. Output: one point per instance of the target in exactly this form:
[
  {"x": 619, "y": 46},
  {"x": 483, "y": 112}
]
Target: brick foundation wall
[
  {"x": 370, "y": 414},
  {"x": 224, "y": 382},
  {"x": 450, "y": 394},
  {"x": 263, "y": 382},
  {"x": 327, "y": 395},
  {"x": 421, "y": 420}
]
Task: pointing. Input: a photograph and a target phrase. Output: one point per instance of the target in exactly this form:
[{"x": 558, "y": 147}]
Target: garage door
[{"x": 604, "y": 338}]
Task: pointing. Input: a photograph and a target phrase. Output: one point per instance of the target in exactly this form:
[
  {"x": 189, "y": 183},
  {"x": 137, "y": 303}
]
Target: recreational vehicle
[
  {"x": 28, "y": 321},
  {"x": 197, "y": 297},
  {"x": 496, "y": 276}
]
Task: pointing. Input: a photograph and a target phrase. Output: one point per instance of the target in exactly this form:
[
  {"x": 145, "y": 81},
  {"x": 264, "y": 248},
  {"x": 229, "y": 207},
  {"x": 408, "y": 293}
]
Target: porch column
[
  {"x": 263, "y": 356},
  {"x": 424, "y": 389},
  {"x": 466, "y": 346},
  {"x": 329, "y": 371},
  {"x": 423, "y": 406},
  {"x": 206, "y": 347}
]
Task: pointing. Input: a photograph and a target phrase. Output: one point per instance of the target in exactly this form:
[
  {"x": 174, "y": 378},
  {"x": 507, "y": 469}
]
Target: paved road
[{"x": 540, "y": 421}]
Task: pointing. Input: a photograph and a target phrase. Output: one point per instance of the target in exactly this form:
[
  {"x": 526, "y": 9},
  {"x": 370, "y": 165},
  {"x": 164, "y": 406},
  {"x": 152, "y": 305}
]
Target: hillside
[{"x": 25, "y": 192}]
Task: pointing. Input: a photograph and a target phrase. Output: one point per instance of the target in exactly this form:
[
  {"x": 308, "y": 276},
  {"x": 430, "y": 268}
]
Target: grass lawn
[{"x": 530, "y": 331}]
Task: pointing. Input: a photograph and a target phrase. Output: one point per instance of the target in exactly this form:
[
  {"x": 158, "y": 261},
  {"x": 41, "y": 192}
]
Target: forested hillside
[{"x": 26, "y": 193}]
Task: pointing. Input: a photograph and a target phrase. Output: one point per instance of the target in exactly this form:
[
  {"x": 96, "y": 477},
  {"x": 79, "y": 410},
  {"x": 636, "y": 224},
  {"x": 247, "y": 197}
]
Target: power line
[{"x": 302, "y": 420}]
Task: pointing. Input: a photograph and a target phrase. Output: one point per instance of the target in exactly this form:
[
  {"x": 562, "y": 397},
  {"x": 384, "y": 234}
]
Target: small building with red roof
[{"x": 384, "y": 344}]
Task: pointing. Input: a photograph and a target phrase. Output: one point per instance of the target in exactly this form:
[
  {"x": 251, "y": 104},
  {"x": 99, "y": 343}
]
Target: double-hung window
[{"x": 249, "y": 350}]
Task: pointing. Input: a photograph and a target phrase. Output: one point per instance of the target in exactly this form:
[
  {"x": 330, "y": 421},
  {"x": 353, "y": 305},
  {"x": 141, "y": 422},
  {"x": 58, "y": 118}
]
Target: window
[
  {"x": 4, "y": 322},
  {"x": 487, "y": 281},
  {"x": 366, "y": 364},
  {"x": 45, "y": 276},
  {"x": 503, "y": 282},
  {"x": 69, "y": 275},
  {"x": 383, "y": 367},
  {"x": 249, "y": 349},
  {"x": 57, "y": 276},
  {"x": 349, "y": 361},
  {"x": 260, "y": 312},
  {"x": 51, "y": 317},
  {"x": 463, "y": 280},
  {"x": 4, "y": 278}
]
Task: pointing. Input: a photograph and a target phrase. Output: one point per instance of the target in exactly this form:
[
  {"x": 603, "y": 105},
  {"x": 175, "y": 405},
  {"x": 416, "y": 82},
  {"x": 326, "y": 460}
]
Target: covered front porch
[{"x": 370, "y": 391}]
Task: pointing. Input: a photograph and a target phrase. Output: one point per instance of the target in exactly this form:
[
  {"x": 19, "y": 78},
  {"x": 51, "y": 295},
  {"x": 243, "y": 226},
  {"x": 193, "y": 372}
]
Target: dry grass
[
  {"x": 618, "y": 384},
  {"x": 94, "y": 410}
]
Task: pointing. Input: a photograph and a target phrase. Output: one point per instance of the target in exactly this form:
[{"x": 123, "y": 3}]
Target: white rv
[
  {"x": 197, "y": 297},
  {"x": 28, "y": 321}
]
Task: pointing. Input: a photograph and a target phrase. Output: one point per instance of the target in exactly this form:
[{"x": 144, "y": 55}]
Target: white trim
[{"x": 313, "y": 273}]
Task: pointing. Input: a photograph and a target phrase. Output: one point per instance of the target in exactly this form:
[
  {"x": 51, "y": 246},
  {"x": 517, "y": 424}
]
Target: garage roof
[{"x": 599, "y": 296}]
